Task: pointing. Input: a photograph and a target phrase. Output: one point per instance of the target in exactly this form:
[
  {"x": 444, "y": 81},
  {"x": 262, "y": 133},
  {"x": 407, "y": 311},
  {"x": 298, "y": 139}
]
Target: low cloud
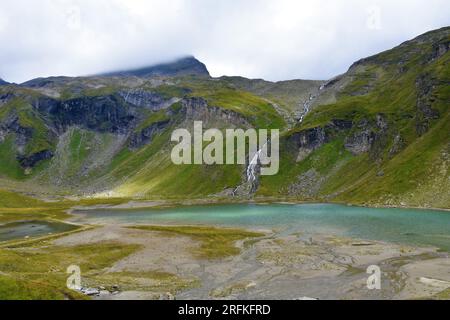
[{"x": 275, "y": 40}]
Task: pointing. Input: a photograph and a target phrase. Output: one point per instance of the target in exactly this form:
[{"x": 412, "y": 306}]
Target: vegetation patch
[
  {"x": 443, "y": 295},
  {"x": 39, "y": 272},
  {"x": 215, "y": 243},
  {"x": 149, "y": 281}
]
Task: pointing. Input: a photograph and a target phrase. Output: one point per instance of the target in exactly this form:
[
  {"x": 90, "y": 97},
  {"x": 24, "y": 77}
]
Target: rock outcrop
[
  {"x": 365, "y": 136},
  {"x": 5, "y": 98},
  {"x": 22, "y": 134},
  {"x": 147, "y": 99},
  {"x": 32, "y": 160},
  {"x": 311, "y": 139},
  {"x": 424, "y": 112},
  {"x": 196, "y": 109},
  {"x": 368, "y": 137},
  {"x": 101, "y": 113},
  {"x": 146, "y": 135},
  {"x": 439, "y": 49}
]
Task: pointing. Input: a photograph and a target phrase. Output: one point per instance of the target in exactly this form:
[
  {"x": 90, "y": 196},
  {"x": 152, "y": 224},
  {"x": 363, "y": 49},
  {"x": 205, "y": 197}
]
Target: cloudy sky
[{"x": 271, "y": 39}]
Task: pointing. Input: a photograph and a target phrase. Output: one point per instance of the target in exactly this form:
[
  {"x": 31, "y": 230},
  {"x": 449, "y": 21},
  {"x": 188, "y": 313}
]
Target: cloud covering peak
[{"x": 275, "y": 40}]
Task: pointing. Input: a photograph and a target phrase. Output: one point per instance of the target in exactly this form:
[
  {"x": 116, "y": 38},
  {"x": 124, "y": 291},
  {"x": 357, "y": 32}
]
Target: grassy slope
[
  {"x": 374, "y": 86},
  {"x": 88, "y": 159},
  {"x": 149, "y": 172},
  {"x": 40, "y": 272},
  {"x": 287, "y": 94},
  {"x": 219, "y": 93},
  {"x": 10, "y": 199},
  {"x": 418, "y": 175},
  {"x": 10, "y": 167},
  {"x": 15, "y": 206},
  {"x": 80, "y": 158},
  {"x": 28, "y": 118}
]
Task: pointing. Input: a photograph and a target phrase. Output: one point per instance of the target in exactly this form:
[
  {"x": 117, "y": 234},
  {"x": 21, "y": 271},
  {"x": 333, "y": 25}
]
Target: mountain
[
  {"x": 290, "y": 96},
  {"x": 3, "y": 82},
  {"x": 187, "y": 66},
  {"x": 378, "y": 134}
]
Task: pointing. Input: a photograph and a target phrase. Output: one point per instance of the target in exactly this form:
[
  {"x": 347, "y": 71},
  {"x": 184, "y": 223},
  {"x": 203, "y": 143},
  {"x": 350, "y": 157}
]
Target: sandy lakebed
[{"x": 273, "y": 265}]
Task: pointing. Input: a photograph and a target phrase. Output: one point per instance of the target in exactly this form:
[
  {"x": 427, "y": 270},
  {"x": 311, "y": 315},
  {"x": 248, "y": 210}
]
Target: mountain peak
[
  {"x": 184, "y": 66},
  {"x": 3, "y": 82}
]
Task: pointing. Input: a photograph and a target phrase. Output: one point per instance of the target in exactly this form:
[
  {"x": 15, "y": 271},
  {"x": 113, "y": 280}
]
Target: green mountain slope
[
  {"x": 378, "y": 134},
  {"x": 386, "y": 137}
]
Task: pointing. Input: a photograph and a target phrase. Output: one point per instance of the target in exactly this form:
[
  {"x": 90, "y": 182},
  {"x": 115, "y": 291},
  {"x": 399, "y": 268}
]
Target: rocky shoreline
[
  {"x": 273, "y": 267},
  {"x": 142, "y": 204}
]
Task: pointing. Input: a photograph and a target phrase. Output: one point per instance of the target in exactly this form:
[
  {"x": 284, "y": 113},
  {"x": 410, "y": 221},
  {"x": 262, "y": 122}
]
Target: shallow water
[
  {"x": 408, "y": 226},
  {"x": 22, "y": 229}
]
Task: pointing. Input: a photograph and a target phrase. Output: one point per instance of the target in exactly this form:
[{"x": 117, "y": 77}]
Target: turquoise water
[
  {"x": 409, "y": 226},
  {"x": 22, "y": 229}
]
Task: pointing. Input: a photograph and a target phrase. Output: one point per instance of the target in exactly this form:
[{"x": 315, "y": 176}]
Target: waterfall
[
  {"x": 253, "y": 163},
  {"x": 306, "y": 106},
  {"x": 251, "y": 169}
]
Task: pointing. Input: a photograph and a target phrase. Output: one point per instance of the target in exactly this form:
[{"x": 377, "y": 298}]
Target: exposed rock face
[
  {"x": 368, "y": 137},
  {"x": 381, "y": 122},
  {"x": 308, "y": 184},
  {"x": 103, "y": 113},
  {"x": 424, "y": 112},
  {"x": 30, "y": 161},
  {"x": 117, "y": 114},
  {"x": 439, "y": 49},
  {"x": 146, "y": 99},
  {"x": 5, "y": 98},
  {"x": 22, "y": 135},
  {"x": 311, "y": 139},
  {"x": 365, "y": 136},
  {"x": 245, "y": 190},
  {"x": 360, "y": 141},
  {"x": 146, "y": 135},
  {"x": 397, "y": 145},
  {"x": 198, "y": 109},
  {"x": 381, "y": 137}
]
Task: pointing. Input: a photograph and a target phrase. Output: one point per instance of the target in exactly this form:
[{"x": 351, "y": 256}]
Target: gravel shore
[{"x": 279, "y": 267}]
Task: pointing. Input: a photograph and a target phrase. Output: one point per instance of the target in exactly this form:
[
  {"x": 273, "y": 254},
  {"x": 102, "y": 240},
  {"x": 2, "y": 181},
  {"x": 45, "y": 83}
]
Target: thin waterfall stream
[{"x": 253, "y": 163}]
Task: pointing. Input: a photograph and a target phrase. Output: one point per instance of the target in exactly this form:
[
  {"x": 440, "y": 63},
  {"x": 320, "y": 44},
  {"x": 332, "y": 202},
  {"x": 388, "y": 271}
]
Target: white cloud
[{"x": 272, "y": 39}]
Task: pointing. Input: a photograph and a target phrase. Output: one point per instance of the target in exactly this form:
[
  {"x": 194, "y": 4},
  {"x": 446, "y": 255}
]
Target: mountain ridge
[
  {"x": 187, "y": 65},
  {"x": 377, "y": 135}
]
